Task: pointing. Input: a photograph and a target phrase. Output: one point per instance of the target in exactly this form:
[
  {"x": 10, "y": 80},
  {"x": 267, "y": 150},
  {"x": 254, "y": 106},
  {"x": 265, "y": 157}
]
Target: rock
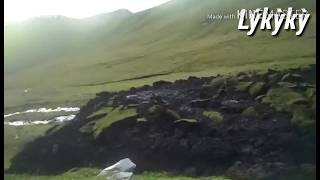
[
  {"x": 238, "y": 171},
  {"x": 155, "y": 112},
  {"x": 306, "y": 85},
  {"x": 257, "y": 88},
  {"x": 200, "y": 103},
  {"x": 247, "y": 150},
  {"x": 260, "y": 97},
  {"x": 250, "y": 112},
  {"x": 230, "y": 102},
  {"x": 214, "y": 116},
  {"x": 88, "y": 128},
  {"x": 279, "y": 98},
  {"x": 171, "y": 114},
  {"x": 161, "y": 83},
  {"x": 178, "y": 133},
  {"x": 231, "y": 81},
  {"x": 142, "y": 120},
  {"x": 184, "y": 143},
  {"x": 104, "y": 93},
  {"x": 259, "y": 142},
  {"x": 205, "y": 92},
  {"x": 272, "y": 71},
  {"x": 157, "y": 99},
  {"x": 242, "y": 77},
  {"x": 184, "y": 109},
  {"x": 190, "y": 171},
  {"x": 237, "y": 163},
  {"x": 218, "y": 81},
  {"x": 289, "y": 77},
  {"x": 55, "y": 148},
  {"x": 287, "y": 84},
  {"x": 310, "y": 92},
  {"x": 233, "y": 106},
  {"x": 259, "y": 171},
  {"x": 309, "y": 169},
  {"x": 186, "y": 121},
  {"x": 132, "y": 98},
  {"x": 243, "y": 86},
  {"x": 222, "y": 91},
  {"x": 100, "y": 113},
  {"x": 273, "y": 78},
  {"x": 299, "y": 101},
  {"x": 122, "y": 170},
  {"x": 278, "y": 164},
  {"x": 143, "y": 96}
]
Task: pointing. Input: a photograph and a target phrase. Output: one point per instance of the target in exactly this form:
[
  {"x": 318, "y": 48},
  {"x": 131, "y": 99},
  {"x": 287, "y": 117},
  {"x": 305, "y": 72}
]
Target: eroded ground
[{"x": 249, "y": 126}]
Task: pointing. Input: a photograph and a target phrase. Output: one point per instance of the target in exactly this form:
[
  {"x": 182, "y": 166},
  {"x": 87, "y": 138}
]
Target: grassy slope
[
  {"x": 90, "y": 174},
  {"x": 13, "y": 145},
  {"x": 72, "y": 64}
]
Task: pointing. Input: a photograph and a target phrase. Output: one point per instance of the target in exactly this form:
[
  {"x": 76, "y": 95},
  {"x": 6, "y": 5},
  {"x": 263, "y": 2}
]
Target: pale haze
[{"x": 17, "y": 10}]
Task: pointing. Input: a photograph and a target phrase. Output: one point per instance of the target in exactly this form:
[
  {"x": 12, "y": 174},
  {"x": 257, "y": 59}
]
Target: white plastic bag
[{"x": 122, "y": 170}]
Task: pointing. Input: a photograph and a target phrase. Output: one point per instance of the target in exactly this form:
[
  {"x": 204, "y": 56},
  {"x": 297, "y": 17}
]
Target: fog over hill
[{"x": 65, "y": 60}]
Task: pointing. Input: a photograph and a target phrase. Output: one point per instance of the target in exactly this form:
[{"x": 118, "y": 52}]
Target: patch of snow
[
  {"x": 16, "y": 123},
  {"x": 65, "y": 118},
  {"x": 45, "y": 110},
  {"x": 59, "y": 119}
]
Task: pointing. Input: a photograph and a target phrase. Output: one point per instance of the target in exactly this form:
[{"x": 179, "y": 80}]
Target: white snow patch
[
  {"x": 65, "y": 118},
  {"x": 45, "y": 110},
  {"x": 59, "y": 119}
]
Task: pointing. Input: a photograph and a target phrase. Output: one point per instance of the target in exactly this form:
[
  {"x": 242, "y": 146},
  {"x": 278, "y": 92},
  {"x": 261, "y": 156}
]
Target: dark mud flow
[{"x": 239, "y": 126}]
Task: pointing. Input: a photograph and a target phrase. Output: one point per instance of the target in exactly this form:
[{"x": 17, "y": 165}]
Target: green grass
[
  {"x": 82, "y": 174},
  {"x": 90, "y": 174},
  {"x": 250, "y": 112},
  {"x": 116, "y": 114},
  {"x": 102, "y": 111},
  {"x": 165, "y": 176},
  {"x": 13, "y": 145},
  {"x": 282, "y": 99},
  {"x": 256, "y": 88},
  {"x": 243, "y": 86},
  {"x": 214, "y": 116},
  {"x": 301, "y": 104}
]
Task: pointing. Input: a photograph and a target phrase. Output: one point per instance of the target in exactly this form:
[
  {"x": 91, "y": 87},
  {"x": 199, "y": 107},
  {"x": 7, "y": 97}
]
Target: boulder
[
  {"x": 186, "y": 121},
  {"x": 274, "y": 77},
  {"x": 250, "y": 112},
  {"x": 287, "y": 84},
  {"x": 257, "y": 88},
  {"x": 191, "y": 172},
  {"x": 201, "y": 103},
  {"x": 122, "y": 170},
  {"x": 243, "y": 86},
  {"x": 218, "y": 82},
  {"x": 233, "y": 106},
  {"x": 290, "y": 77},
  {"x": 214, "y": 116}
]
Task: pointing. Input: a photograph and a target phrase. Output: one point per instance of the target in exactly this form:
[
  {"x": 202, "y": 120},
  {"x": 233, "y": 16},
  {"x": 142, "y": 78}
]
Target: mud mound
[{"x": 252, "y": 125}]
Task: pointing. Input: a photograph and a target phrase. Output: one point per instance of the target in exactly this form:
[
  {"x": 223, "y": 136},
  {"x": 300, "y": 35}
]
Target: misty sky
[{"x": 16, "y": 10}]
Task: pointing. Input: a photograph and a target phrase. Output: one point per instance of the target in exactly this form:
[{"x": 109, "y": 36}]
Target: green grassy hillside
[{"x": 67, "y": 61}]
